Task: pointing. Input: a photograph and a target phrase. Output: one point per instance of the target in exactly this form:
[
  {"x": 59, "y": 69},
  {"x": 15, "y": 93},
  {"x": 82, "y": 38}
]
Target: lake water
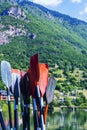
[
  {"x": 62, "y": 120},
  {"x": 67, "y": 120}
]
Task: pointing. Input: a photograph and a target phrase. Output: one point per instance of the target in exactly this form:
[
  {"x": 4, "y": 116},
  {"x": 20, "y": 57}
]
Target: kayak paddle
[
  {"x": 41, "y": 89},
  {"x": 7, "y": 79},
  {"x": 33, "y": 74},
  {"x": 26, "y": 97},
  {"x": 38, "y": 82},
  {"x": 49, "y": 95},
  {"x": 2, "y": 121},
  {"x": 16, "y": 92},
  {"x": 21, "y": 97}
]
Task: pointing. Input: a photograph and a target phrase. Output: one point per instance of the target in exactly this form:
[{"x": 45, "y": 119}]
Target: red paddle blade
[
  {"x": 34, "y": 67},
  {"x": 33, "y": 73},
  {"x": 43, "y": 78},
  {"x": 38, "y": 74}
]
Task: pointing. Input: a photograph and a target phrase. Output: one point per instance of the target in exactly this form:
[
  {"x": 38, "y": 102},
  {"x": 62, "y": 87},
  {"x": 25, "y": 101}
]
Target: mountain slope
[{"x": 60, "y": 40}]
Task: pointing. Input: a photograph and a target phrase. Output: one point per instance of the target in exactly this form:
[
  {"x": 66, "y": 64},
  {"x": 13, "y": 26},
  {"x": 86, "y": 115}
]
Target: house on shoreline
[{"x": 3, "y": 95}]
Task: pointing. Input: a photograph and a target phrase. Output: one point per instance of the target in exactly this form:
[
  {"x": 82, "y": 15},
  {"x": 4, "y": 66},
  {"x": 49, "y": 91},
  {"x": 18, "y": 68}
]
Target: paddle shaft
[
  {"x": 40, "y": 99},
  {"x": 2, "y": 121},
  {"x": 21, "y": 106},
  {"x": 16, "y": 92},
  {"x": 16, "y": 114},
  {"x": 36, "y": 122},
  {"x": 27, "y": 101},
  {"x": 26, "y": 115},
  {"x": 9, "y": 108}
]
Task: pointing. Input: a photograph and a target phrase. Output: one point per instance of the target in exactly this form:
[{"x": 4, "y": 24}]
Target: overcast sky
[{"x": 73, "y": 8}]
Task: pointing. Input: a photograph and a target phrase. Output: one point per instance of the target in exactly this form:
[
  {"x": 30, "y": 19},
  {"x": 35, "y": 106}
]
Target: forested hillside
[{"x": 61, "y": 41}]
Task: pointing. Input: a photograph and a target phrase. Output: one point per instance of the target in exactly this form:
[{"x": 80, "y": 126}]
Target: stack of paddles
[
  {"x": 38, "y": 75},
  {"x": 36, "y": 83}
]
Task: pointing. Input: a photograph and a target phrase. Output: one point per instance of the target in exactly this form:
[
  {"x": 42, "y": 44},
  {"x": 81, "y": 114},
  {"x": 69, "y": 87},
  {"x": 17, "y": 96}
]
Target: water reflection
[
  {"x": 67, "y": 120},
  {"x": 20, "y": 123},
  {"x": 62, "y": 120}
]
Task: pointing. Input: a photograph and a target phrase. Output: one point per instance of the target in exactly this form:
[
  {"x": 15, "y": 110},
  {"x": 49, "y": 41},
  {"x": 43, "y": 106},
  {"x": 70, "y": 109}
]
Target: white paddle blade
[
  {"x": 50, "y": 89},
  {"x": 6, "y": 73}
]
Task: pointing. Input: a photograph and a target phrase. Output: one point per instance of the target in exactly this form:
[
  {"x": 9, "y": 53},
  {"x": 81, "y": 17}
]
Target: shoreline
[{"x": 74, "y": 108}]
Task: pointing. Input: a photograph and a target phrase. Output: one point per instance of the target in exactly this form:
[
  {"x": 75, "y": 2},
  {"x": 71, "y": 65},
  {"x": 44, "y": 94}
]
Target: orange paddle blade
[
  {"x": 16, "y": 71},
  {"x": 45, "y": 113},
  {"x": 43, "y": 78}
]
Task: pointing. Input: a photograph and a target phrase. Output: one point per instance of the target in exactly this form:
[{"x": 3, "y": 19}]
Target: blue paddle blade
[
  {"x": 6, "y": 73},
  {"x": 16, "y": 90},
  {"x": 24, "y": 86},
  {"x": 16, "y": 82},
  {"x": 50, "y": 90}
]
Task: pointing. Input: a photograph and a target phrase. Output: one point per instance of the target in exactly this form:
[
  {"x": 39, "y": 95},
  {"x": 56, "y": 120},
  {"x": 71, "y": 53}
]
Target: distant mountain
[
  {"x": 53, "y": 13},
  {"x": 27, "y": 28}
]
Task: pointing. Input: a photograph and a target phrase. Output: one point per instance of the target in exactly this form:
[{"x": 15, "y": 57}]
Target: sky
[{"x": 73, "y": 8}]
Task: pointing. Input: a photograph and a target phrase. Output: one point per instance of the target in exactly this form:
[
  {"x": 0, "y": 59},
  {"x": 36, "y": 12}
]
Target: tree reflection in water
[
  {"x": 67, "y": 120},
  {"x": 62, "y": 120}
]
